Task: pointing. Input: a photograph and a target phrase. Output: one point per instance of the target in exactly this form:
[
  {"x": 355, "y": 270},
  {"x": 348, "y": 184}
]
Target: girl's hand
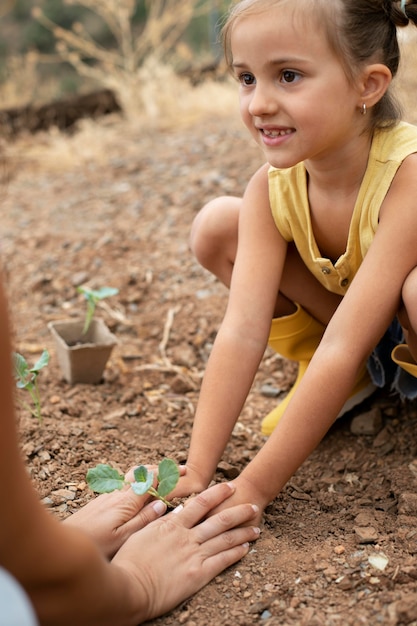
[
  {"x": 189, "y": 484},
  {"x": 111, "y": 518},
  {"x": 182, "y": 548},
  {"x": 244, "y": 492}
]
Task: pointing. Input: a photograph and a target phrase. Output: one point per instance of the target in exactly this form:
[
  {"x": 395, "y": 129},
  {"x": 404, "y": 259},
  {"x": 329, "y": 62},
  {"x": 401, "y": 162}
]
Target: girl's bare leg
[
  {"x": 214, "y": 240},
  {"x": 408, "y": 311}
]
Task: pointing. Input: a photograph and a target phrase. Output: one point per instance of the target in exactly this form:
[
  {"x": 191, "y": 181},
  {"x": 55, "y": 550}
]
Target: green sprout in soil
[
  {"x": 104, "y": 479},
  {"x": 27, "y": 378},
  {"x": 93, "y": 296}
]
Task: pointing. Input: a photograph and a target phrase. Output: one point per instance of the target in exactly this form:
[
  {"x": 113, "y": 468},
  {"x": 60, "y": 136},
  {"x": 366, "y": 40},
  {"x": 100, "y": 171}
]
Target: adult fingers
[
  {"x": 148, "y": 514},
  {"x": 197, "y": 507},
  {"x": 225, "y": 520},
  {"x": 228, "y": 540},
  {"x": 223, "y": 559}
]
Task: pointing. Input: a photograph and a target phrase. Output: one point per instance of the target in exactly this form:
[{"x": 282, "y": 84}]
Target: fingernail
[
  {"x": 178, "y": 508},
  {"x": 159, "y": 507},
  {"x": 231, "y": 486},
  {"x": 255, "y": 508},
  {"x": 256, "y": 530}
]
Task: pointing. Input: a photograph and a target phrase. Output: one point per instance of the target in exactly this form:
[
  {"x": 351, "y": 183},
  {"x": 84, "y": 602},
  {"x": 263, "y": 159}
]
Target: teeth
[{"x": 276, "y": 133}]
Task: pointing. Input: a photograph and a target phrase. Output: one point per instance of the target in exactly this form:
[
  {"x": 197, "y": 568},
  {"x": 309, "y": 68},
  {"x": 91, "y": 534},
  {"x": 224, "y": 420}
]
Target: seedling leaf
[
  {"x": 141, "y": 474},
  {"x": 26, "y": 378},
  {"x": 104, "y": 292},
  {"x": 168, "y": 475},
  {"x": 104, "y": 479},
  {"x": 21, "y": 369},
  {"x": 93, "y": 296},
  {"x": 143, "y": 480},
  {"x": 41, "y": 362}
]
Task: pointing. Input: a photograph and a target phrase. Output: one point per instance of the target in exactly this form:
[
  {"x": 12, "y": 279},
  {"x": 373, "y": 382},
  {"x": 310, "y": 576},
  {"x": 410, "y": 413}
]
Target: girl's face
[{"x": 295, "y": 98}]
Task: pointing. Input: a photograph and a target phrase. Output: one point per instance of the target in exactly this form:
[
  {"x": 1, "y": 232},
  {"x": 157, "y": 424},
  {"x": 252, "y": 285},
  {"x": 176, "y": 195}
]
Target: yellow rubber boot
[
  {"x": 297, "y": 337},
  {"x": 401, "y": 355}
]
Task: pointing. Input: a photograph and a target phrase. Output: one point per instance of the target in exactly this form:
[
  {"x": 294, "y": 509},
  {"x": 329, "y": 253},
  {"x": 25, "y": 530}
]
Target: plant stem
[{"x": 154, "y": 493}]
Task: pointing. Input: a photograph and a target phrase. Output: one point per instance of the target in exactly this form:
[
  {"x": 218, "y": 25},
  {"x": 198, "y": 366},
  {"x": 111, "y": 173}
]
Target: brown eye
[
  {"x": 288, "y": 76},
  {"x": 246, "y": 78}
]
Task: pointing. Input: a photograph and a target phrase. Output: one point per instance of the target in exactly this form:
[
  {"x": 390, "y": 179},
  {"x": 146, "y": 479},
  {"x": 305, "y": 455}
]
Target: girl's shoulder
[{"x": 394, "y": 143}]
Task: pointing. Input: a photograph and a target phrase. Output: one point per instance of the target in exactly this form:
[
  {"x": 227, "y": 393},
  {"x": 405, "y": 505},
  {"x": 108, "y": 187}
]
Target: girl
[{"x": 323, "y": 241}]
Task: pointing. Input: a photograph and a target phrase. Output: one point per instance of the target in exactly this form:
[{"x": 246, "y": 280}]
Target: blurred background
[{"x": 151, "y": 55}]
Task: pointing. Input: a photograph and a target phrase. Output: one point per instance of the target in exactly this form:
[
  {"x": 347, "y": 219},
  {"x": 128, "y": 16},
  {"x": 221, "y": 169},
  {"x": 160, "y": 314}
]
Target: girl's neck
[{"x": 343, "y": 172}]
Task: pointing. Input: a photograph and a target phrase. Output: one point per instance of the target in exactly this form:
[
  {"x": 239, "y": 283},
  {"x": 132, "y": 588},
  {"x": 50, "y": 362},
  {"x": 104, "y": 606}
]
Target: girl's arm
[
  {"x": 242, "y": 337},
  {"x": 355, "y": 329}
]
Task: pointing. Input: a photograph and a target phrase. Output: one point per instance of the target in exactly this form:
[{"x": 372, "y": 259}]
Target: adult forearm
[{"x": 85, "y": 590}]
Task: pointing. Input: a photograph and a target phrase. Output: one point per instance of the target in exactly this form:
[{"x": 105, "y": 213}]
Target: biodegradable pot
[{"x": 82, "y": 358}]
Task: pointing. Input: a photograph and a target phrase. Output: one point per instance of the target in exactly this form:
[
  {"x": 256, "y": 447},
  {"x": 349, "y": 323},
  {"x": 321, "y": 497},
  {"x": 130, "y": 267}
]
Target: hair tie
[{"x": 403, "y": 5}]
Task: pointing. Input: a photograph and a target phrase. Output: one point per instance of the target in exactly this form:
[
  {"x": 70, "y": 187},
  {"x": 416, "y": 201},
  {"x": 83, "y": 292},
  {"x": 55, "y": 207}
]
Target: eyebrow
[{"x": 284, "y": 61}]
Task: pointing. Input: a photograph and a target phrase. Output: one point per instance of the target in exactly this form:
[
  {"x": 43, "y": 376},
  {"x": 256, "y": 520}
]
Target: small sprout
[
  {"x": 104, "y": 479},
  {"x": 27, "y": 378},
  {"x": 93, "y": 296}
]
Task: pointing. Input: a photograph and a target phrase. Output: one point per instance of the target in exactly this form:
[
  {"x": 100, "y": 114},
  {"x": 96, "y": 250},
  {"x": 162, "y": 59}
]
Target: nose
[{"x": 263, "y": 101}]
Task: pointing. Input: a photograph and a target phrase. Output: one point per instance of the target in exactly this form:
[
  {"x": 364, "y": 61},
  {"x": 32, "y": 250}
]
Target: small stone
[
  {"x": 64, "y": 494},
  {"x": 229, "y": 471},
  {"x": 369, "y": 423},
  {"x": 181, "y": 385},
  {"x": 366, "y": 534},
  {"x": 407, "y": 504},
  {"x": 405, "y": 610},
  {"x": 270, "y": 391}
]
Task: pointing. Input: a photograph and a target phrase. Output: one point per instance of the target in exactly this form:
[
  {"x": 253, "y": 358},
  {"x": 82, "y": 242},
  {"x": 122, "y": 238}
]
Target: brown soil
[{"x": 120, "y": 215}]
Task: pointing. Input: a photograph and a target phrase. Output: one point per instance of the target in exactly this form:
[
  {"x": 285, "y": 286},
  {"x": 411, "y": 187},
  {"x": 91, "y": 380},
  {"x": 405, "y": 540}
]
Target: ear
[{"x": 374, "y": 82}]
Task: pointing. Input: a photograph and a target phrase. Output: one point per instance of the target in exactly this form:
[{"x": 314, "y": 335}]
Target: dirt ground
[{"x": 112, "y": 205}]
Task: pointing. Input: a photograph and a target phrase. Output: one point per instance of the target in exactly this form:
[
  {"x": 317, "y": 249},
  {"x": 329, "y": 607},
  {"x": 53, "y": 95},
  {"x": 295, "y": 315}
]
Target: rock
[
  {"x": 270, "y": 391},
  {"x": 229, "y": 471},
  {"x": 366, "y": 534},
  {"x": 369, "y": 423},
  {"x": 404, "y": 611},
  {"x": 407, "y": 504},
  {"x": 181, "y": 385}
]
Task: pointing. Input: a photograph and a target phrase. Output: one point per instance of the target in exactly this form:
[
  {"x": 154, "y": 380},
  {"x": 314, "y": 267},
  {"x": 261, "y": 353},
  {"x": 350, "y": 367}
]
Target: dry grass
[
  {"x": 406, "y": 80},
  {"x": 57, "y": 151},
  {"x": 140, "y": 62},
  {"x": 172, "y": 102}
]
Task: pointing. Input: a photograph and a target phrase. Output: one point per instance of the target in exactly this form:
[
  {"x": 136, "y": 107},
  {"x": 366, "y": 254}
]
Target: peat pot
[{"x": 82, "y": 358}]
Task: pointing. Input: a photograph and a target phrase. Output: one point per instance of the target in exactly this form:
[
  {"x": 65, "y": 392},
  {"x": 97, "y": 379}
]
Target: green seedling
[
  {"x": 104, "y": 479},
  {"x": 93, "y": 296},
  {"x": 27, "y": 378}
]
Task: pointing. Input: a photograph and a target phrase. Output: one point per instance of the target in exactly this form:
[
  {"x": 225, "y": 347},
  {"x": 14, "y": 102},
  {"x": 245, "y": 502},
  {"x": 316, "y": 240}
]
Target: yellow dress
[{"x": 291, "y": 212}]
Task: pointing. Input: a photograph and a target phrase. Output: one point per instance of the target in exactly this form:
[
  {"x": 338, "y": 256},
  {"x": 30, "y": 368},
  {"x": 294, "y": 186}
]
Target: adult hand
[
  {"x": 111, "y": 518},
  {"x": 181, "y": 547}
]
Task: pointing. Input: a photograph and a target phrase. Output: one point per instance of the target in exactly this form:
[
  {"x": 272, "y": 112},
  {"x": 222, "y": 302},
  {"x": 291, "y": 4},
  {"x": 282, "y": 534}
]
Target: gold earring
[{"x": 363, "y": 109}]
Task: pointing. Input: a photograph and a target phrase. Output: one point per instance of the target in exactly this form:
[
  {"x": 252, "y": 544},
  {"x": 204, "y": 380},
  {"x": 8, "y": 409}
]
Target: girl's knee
[
  {"x": 408, "y": 312},
  {"x": 212, "y": 226}
]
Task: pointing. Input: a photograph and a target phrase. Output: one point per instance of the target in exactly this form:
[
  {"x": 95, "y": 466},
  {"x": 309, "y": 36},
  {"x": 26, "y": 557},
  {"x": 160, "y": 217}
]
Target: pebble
[
  {"x": 407, "y": 504},
  {"x": 369, "y": 423},
  {"x": 366, "y": 534},
  {"x": 270, "y": 391}
]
